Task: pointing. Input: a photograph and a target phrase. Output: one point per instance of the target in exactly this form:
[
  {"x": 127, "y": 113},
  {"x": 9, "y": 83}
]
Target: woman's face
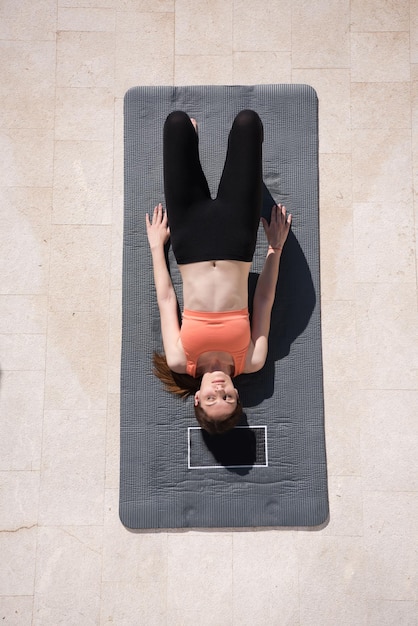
[{"x": 217, "y": 395}]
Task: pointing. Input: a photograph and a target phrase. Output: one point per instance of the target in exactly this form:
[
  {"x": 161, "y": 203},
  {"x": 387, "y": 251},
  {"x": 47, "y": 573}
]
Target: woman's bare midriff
[{"x": 215, "y": 285}]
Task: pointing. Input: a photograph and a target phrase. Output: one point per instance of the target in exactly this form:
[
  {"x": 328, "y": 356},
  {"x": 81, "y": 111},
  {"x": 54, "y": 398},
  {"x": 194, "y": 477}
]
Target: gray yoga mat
[{"x": 271, "y": 471}]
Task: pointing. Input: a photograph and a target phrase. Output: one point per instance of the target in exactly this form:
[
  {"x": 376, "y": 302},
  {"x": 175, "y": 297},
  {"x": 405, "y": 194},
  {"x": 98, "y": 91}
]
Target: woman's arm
[
  {"x": 276, "y": 232},
  {"x": 158, "y": 234}
]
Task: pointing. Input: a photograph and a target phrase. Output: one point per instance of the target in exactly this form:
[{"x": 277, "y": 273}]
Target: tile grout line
[{"x": 36, "y": 568}]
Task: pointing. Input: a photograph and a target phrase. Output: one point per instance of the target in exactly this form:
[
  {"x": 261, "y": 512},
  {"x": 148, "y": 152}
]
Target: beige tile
[
  {"x": 137, "y": 64},
  {"x": 335, "y": 181},
  {"x": 328, "y": 577},
  {"x": 383, "y": 253},
  {"x": 150, "y": 25},
  {"x": 381, "y": 164},
  {"x": 203, "y": 70},
  {"x": 82, "y": 182},
  {"x": 346, "y": 506},
  {"x": 339, "y": 340},
  {"x": 21, "y": 404},
  {"x": 126, "y": 601},
  {"x": 265, "y": 564},
  {"x": 389, "y": 569},
  {"x": 83, "y": 59},
  {"x": 389, "y": 612},
  {"x": 256, "y": 29},
  {"x": 117, "y": 244},
  {"x": 379, "y": 15},
  {"x": 80, "y": 268},
  {"x": 68, "y": 576},
  {"x": 342, "y": 423},
  {"x": 391, "y": 514},
  {"x": 388, "y": 441},
  {"x": 17, "y": 563},
  {"x": 84, "y": 114},
  {"x": 333, "y": 89},
  {"x": 414, "y": 110},
  {"x": 386, "y": 325},
  {"x": 380, "y": 57},
  {"x": 337, "y": 250},
  {"x": 22, "y": 351},
  {"x": 413, "y": 30},
  {"x": 144, "y": 50},
  {"x": 118, "y": 151},
  {"x": 314, "y": 46},
  {"x": 197, "y": 561},
  {"x": 128, "y": 557},
  {"x": 414, "y": 107},
  {"x": 34, "y": 21},
  {"x": 23, "y": 314},
  {"x": 112, "y": 441},
  {"x": 76, "y": 367},
  {"x": 27, "y": 157},
  {"x": 118, "y": 199},
  {"x": 72, "y": 472},
  {"x": 151, "y": 6},
  {"x": 380, "y": 105},
  {"x": 115, "y": 339},
  {"x": 94, "y": 4},
  {"x": 86, "y": 19},
  {"x": 19, "y": 500},
  {"x": 261, "y": 67},
  {"x": 24, "y": 240},
  {"x": 190, "y": 617},
  {"x": 26, "y": 64},
  {"x": 211, "y": 34},
  {"x": 28, "y": 74},
  {"x": 17, "y": 610}
]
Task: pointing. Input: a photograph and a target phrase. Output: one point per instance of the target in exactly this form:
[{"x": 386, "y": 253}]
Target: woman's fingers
[
  {"x": 274, "y": 212},
  {"x": 278, "y": 211},
  {"x": 157, "y": 217},
  {"x": 287, "y": 217}
]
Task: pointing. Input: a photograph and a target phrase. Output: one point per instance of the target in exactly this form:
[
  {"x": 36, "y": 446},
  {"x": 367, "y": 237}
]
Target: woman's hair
[
  {"x": 217, "y": 426},
  {"x": 183, "y": 386}
]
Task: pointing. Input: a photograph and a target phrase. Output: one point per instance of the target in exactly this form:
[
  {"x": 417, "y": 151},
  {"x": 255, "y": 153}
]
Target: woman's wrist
[
  {"x": 156, "y": 247},
  {"x": 277, "y": 248}
]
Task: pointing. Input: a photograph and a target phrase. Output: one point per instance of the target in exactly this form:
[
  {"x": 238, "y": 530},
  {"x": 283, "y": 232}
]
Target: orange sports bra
[{"x": 228, "y": 331}]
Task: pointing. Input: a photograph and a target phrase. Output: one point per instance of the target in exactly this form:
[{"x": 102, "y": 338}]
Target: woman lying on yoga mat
[{"x": 213, "y": 242}]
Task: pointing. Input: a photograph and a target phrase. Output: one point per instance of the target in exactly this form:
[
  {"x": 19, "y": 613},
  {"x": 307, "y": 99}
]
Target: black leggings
[{"x": 225, "y": 228}]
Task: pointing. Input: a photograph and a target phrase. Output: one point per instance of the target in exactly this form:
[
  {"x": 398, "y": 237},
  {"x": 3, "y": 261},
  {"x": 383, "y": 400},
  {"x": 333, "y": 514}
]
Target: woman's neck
[{"x": 215, "y": 361}]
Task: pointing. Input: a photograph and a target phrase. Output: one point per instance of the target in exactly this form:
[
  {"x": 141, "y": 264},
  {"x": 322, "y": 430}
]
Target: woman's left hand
[
  {"x": 158, "y": 231},
  {"x": 278, "y": 228}
]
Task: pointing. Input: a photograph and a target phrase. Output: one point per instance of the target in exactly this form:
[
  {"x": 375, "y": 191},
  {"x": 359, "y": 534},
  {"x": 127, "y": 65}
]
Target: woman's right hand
[
  {"x": 158, "y": 231},
  {"x": 278, "y": 228}
]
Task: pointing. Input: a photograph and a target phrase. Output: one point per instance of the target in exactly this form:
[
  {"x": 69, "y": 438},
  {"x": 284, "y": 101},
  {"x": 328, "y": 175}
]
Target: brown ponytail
[{"x": 181, "y": 385}]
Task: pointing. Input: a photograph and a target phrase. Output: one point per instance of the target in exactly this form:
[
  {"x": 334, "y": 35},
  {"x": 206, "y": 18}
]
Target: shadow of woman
[
  {"x": 239, "y": 449},
  {"x": 293, "y": 307}
]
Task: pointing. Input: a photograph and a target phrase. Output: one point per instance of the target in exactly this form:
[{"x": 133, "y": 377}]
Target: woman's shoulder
[
  {"x": 177, "y": 360},
  {"x": 254, "y": 360}
]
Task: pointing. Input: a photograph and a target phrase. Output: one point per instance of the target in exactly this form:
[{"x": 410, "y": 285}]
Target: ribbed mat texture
[{"x": 158, "y": 487}]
